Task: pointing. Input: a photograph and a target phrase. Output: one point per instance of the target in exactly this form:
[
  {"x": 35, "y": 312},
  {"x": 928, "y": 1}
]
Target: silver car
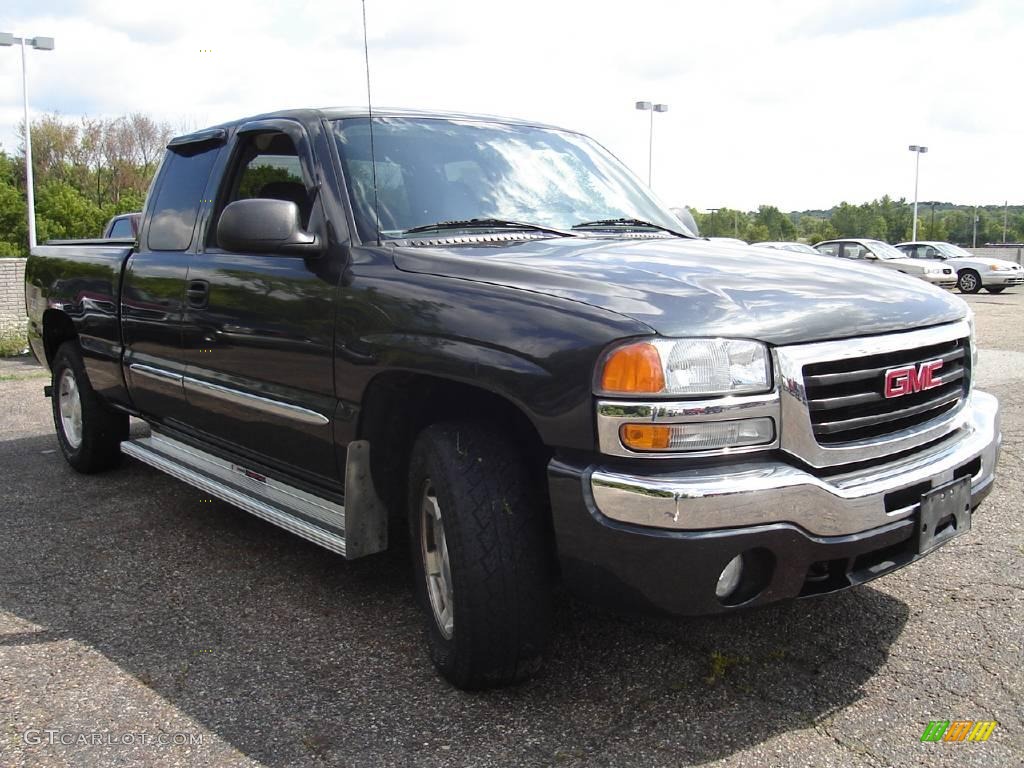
[
  {"x": 884, "y": 255},
  {"x": 781, "y": 245},
  {"x": 973, "y": 272}
]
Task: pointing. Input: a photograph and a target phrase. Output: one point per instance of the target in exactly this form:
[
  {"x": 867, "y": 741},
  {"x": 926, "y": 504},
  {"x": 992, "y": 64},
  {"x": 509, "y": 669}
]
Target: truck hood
[{"x": 683, "y": 287}]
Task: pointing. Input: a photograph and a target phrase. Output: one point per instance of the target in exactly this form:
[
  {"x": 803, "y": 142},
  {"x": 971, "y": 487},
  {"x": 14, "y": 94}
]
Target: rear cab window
[{"x": 179, "y": 196}]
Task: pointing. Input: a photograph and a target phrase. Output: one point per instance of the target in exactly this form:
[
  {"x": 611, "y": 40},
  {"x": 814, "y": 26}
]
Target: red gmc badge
[{"x": 912, "y": 378}]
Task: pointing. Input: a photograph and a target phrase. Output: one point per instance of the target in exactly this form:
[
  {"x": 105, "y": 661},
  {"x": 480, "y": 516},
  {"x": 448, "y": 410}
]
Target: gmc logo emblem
[{"x": 910, "y": 379}]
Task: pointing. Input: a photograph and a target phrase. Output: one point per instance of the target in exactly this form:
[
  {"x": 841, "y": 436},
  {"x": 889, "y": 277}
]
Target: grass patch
[
  {"x": 24, "y": 376},
  {"x": 13, "y": 343}
]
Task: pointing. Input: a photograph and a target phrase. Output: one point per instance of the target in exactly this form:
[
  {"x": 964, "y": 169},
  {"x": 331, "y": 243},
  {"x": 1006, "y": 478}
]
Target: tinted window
[
  {"x": 266, "y": 166},
  {"x": 182, "y": 183},
  {"x": 122, "y": 228}
]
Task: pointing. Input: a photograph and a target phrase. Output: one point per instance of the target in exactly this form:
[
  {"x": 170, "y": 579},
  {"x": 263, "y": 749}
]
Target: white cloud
[{"x": 791, "y": 103}]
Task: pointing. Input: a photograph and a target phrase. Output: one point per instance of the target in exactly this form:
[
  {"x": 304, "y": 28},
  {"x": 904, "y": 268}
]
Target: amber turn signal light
[
  {"x": 645, "y": 437},
  {"x": 633, "y": 368}
]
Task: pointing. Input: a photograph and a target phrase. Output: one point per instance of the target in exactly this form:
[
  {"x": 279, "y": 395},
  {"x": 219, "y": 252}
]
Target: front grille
[{"x": 847, "y": 399}]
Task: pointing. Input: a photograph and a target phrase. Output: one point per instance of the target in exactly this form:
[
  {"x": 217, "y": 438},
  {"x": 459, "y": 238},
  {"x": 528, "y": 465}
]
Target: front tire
[
  {"x": 88, "y": 432},
  {"x": 481, "y": 553},
  {"x": 995, "y": 288},
  {"x": 968, "y": 281}
]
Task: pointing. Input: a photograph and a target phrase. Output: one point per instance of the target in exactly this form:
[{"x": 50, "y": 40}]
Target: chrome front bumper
[{"x": 750, "y": 493}]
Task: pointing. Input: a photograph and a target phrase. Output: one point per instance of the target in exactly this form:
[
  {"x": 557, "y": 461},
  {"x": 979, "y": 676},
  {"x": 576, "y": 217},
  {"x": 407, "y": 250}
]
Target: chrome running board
[{"x": 314, "y": 518}]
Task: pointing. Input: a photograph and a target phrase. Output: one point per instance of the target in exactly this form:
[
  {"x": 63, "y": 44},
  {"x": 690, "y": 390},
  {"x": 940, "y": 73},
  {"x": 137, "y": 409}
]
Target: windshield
[
  {"x": 436, "y": 170},
  {"x": 954, "y": 251},
  {"x": 884, "y": 250}
]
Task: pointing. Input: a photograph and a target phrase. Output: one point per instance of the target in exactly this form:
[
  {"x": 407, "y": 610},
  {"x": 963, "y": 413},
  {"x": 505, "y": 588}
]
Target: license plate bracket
[{"x": 945, "y": 514}]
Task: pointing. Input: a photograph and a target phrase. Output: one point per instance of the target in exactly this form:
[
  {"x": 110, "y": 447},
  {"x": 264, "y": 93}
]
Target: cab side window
[
  {"x": 852, "y": 251},
  {"x": 183, "y": 178},
  {"x": 267, "y": 166},
  {"x": 829, "y": 249}
]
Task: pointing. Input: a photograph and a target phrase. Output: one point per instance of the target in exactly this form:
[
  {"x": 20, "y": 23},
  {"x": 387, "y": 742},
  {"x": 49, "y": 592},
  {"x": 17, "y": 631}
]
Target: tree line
[
  {"x": 85, "y": 171},
  {"x": 88, "y": 170},
  {"x": 883, "y": 219}
]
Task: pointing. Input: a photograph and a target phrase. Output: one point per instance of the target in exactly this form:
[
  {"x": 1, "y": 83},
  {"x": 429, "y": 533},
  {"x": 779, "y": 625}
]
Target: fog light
[
  {"x": 697, "y": 435},
  {"x": 729, "y": 578}
]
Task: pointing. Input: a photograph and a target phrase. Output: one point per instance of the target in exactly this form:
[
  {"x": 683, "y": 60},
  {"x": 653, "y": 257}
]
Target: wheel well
[
  {"x": 397, "y": 406},
  {"x": 57, "y": 328}
]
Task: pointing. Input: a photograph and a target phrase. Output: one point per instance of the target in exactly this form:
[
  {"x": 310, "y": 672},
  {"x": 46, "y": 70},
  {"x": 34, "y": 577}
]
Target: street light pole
[
  {"x": 974, "y": 235},
  {"x": 713, "y": 211},
  {"x": 647, "y": 106},
  {"x": 918, "y": 151},
  {"x": 40, "y": 44}
]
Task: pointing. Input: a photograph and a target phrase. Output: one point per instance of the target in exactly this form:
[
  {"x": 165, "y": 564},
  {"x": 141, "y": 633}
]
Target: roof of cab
[{"x": 338, "y": 113}]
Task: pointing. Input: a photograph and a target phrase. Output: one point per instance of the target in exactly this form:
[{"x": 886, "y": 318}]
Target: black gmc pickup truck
[{"x": 488, "y": 330}]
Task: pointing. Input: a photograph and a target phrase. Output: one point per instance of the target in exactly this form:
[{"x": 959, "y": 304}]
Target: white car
[
  {"x": 781, "y": 245},
  {"x": 973, "y": 272},
  {"x": 884, "y": 255}
]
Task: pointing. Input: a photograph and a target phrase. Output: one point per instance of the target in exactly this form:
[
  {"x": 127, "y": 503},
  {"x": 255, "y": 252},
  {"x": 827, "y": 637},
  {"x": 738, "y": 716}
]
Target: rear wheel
[
  {"x": 995, "y": 288},
  {"x": 968, "y": 281},
  {"x": 481, "y": 553},
  {"x": 89, "y": 433}
]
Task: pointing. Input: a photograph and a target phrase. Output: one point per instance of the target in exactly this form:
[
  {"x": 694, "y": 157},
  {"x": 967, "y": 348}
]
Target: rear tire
[
  {"x": 995, "y": 288},
  {"x": 968, "y": 281},
  {"x": 89, "y": 433},
  {"x": 482, "y": 555}
]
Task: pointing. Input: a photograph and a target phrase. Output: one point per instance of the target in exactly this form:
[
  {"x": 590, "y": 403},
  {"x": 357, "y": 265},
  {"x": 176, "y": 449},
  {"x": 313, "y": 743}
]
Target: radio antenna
[{"x": 369, "y": 109}]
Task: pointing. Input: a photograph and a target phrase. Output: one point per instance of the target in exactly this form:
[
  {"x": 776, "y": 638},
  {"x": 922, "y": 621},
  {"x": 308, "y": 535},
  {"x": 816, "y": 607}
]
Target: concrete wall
[
  {"x": 12, "y": 297},
  {"x": 1009, "y": 252}
]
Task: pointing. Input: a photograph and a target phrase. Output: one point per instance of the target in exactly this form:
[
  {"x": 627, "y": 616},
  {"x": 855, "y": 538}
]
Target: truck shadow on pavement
[{"x": 295, "y": 657}]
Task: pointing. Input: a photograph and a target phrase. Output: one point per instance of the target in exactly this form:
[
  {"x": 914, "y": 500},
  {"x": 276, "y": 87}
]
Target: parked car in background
[
  {"x": 787, "y": 246},
  {"x": 973, "y": 272},
  {"x": 124, "y": 226},
  {"x": 884, "y": 255}
]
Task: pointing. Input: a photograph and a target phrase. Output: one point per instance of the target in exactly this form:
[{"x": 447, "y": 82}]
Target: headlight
[
  {"x": 687, "y": 367},
  {"x": 1000, "y": 267}
]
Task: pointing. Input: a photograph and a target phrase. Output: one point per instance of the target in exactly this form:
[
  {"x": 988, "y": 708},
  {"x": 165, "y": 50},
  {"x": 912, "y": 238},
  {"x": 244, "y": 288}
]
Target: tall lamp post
[
  {"x": 713, "y": 211},
  {"x": 652, "y": 108},
  {"x": 918, "y": 151},
  {"x": 40, "y": 44}
]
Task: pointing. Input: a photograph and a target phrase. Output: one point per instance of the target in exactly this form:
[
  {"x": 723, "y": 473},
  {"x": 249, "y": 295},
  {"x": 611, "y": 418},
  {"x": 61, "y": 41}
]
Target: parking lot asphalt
[{"x": 135, "y": 613}]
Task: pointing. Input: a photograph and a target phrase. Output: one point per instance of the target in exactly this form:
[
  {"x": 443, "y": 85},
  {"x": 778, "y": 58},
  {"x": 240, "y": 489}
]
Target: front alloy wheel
[
  {"x": 437, "y": 567},
  {"x": 969, "y": 282}
]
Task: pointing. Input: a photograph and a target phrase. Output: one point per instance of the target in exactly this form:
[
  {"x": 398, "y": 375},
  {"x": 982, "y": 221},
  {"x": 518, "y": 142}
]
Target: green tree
[
  {"x": 777, "y": 224},
  {"x": 63, "y": 212}
]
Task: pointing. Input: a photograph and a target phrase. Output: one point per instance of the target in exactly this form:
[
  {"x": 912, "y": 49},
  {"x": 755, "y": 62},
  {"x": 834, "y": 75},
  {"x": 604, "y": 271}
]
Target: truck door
[
  {"x": 259, "y": 327},
  {"x": 153, "y": 289}
]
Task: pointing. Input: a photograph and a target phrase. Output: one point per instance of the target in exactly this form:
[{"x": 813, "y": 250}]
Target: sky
[{"x": 795, "y": 104}]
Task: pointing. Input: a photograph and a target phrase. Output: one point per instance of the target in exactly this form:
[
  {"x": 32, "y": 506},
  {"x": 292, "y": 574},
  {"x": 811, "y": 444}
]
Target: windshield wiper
[
  {"x": 487, "y": 224},
  {"x": 626, "y": 222}
]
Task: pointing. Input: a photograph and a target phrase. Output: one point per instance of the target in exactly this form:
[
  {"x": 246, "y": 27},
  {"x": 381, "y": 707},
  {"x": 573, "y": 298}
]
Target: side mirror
[
  {"x": 260, "y": 225},
  {"x": 870, "y": 256},
  {"x": 685, "y": 216}
]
